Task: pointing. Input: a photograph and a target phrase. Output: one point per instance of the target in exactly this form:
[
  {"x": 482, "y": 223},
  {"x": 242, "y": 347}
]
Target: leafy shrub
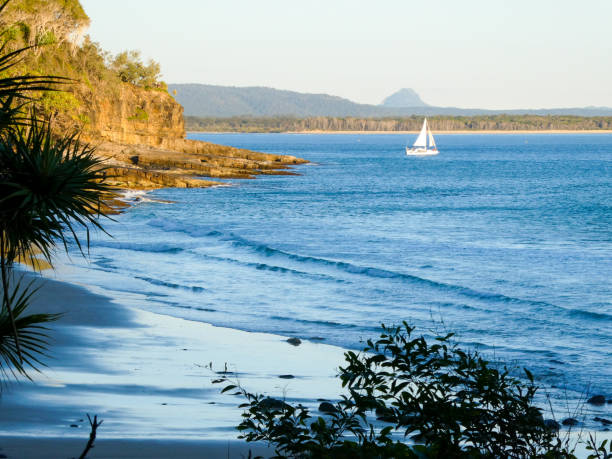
[
  {"x": 139, "y": 115},
  {"x": 131, "y": 69},
  {"x": 449, "y": 402},
  {"x": 57, "y": 101}
]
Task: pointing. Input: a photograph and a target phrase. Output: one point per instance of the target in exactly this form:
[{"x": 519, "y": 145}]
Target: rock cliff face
[
  {"x": 135, "y": 116},
  {"x": 141, "y": 135}
]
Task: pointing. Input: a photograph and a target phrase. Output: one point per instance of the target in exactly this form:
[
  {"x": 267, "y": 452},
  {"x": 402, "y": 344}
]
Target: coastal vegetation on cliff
[
  {"x": 503, "y": 123},
  {"x": 56, "y": 32}
]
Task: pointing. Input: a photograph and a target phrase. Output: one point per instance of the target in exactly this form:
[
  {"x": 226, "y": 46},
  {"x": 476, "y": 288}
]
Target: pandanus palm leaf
[
  {"x": 51, "y": 186},
  {"x": 32, "y": 336}
]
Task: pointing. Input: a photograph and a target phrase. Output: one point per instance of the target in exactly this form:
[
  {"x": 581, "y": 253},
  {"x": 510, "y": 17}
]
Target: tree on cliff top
[{"x": 130, "y": 68}]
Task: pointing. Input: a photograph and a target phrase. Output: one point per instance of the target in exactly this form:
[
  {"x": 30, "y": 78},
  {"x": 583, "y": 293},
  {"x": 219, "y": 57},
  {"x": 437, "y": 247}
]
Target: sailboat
[{"x": 425, "y": 145}]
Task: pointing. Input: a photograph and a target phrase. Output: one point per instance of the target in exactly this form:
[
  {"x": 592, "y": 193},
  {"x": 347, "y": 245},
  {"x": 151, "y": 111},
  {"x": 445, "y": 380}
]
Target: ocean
[{"x": 505, "y": 240}]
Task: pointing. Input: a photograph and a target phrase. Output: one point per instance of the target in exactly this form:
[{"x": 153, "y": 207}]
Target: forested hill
[
  {"x": 503, "y": 123},
  {"x": 222, "y": 101},
  {"x": 204, "y": 100}
]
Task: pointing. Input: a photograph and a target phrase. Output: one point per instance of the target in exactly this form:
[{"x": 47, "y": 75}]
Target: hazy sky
[{"x": 469, "y": 53}]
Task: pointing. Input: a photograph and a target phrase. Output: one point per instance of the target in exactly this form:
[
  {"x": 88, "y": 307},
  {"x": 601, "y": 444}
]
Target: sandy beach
[{"x": 149, "y": 378}]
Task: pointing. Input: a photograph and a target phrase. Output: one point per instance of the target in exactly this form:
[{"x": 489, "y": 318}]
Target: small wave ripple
[
  {"x": 368, "y": 271},
  {"x": 374, "y": 272},
  {"x": 162, "y": 283},
  {"x": 139, "y": 247}
]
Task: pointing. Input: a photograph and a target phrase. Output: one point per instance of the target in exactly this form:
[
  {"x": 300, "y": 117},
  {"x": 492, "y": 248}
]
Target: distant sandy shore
[{"x": 558, "y": 131}]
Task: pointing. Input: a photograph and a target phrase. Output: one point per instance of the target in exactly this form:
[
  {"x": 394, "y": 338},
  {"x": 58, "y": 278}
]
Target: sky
[{"x": 497, "y": 54}]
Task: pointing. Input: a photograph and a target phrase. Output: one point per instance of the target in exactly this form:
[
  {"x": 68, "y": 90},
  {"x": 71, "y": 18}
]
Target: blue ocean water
[{"x": 506, "y": 239}]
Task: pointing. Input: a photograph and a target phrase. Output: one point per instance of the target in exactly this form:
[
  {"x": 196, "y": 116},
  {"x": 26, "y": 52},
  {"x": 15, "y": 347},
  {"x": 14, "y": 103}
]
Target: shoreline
[
  {"x": 443, "y": 132},
  {"x": 148, "y": 376}
]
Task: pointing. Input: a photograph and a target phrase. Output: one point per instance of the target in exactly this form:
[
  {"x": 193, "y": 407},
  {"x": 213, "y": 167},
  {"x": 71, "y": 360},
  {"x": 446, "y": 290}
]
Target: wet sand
[{"x": 149, "y": 377}]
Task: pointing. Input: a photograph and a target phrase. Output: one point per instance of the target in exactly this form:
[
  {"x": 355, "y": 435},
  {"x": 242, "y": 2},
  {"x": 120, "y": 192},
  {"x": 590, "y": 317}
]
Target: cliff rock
[
  {"x": 141, "y": 136},
  {"x": 135, "y": 116}
]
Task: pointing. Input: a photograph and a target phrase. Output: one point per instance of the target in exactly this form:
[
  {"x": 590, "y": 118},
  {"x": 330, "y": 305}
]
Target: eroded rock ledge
[{"x": 188, "y": 164}]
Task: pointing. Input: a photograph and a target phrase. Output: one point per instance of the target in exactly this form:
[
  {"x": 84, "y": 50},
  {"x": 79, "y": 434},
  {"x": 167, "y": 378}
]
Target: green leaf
[{"x": 228, "y": 388}]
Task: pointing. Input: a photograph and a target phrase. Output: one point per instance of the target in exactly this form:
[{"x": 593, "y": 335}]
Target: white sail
[
  {"x": 432, "y": 142},
  {"x": 421, "y": 140},
  {"x": 420, "y": 147}
]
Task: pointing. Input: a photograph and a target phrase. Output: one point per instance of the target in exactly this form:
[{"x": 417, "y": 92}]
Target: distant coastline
[
  {"x": 516, "y": 124},
  {"x": 487, "y": 131}
]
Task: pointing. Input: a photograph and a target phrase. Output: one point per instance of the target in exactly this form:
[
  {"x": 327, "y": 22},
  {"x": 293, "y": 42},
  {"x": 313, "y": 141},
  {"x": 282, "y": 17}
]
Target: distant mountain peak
[
  {"x": 405, "y": 97},
  {"x": 202, "y": 100}
]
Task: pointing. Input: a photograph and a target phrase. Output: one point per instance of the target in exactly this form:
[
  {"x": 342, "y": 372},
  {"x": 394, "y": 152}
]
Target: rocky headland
[
  {"x": 118, "y": 103},
  {"x": 141, "y": 137}
]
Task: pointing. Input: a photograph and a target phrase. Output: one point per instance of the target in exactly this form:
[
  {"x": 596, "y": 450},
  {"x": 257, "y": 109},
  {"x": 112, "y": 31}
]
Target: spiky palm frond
[
  {"x": 51, "y": 186},
  {"x": 21, "y": 85},
  {"x": 30, "y": 331}
]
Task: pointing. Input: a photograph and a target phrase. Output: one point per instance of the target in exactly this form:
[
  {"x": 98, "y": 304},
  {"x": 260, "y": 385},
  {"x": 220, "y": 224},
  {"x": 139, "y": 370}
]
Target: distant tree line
[{"x": 395, "y": 124}]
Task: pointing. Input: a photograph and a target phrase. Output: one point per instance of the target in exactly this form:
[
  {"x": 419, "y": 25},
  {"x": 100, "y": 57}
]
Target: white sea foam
[
  {"x": 132, "y": 196},
  {"x": 137, "y": 196}
]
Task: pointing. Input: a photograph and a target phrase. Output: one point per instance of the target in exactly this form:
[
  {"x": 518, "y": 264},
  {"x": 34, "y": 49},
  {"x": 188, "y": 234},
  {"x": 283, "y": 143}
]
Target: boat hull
[{"x": 420, "y": 152}]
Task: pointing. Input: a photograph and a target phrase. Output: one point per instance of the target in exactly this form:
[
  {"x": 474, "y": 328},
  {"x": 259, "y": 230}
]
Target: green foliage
[
  {"x": 601, "y": 451},
  {"x": 12, "y": 33},
  {"x": 46, "y": 38},
  {"x": 53, "y": 102},
  {"x": 50, "y": 27},
  {"x": 84, "y": 119},
  {"x": 450, "y": 402},
  {"x": 51, "y": 185},
  {"x": 32, "y": 338},
  {"x": 140, "y": 115},
  {"x": 71, "y": 8},
  {"x": 130, "y": 68},
  {"x": 91, "y": 61},
  {"x": 15, "y": 90}
]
